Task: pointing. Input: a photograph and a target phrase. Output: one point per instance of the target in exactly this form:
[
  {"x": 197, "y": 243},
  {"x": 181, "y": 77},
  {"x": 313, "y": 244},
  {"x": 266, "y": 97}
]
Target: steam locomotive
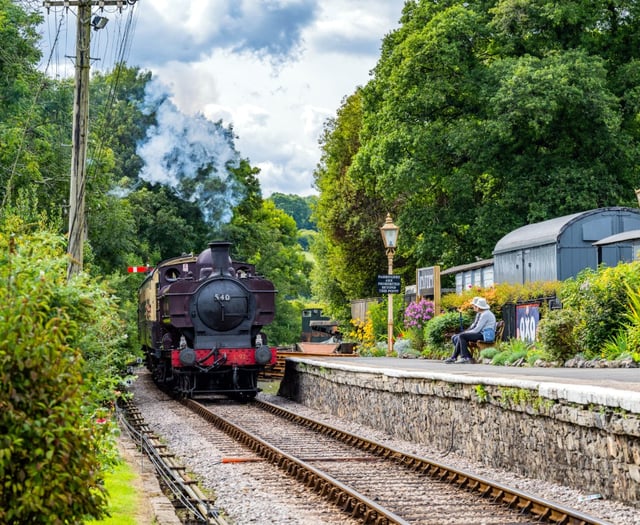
[{"x": 200, "y": 320}]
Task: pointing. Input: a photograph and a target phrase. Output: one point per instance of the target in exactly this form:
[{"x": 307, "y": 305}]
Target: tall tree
[
  {"x": 347, "y": 213},
  {"x": 300, "y": 208},
  {"x": 482, "y": 116},
  {"x": 118, "y": 118},
  {"x": 31, "y": 152}
]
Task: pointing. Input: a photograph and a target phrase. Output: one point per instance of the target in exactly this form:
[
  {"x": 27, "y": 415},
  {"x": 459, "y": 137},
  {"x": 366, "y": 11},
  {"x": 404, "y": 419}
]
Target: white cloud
[{"x": 274, "y": 70}]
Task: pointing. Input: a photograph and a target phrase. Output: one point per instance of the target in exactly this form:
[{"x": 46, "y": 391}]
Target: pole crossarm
[{"x": 95, "y": 3}]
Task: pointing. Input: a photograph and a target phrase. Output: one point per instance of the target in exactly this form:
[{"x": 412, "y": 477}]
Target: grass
[
  {"x": 123, "y": 499},
  {"x": 269, "y": 387}
]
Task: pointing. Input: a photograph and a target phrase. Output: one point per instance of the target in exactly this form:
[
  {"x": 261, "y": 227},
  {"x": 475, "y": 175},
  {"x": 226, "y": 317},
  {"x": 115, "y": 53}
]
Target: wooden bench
[{"x": 475, "y": 347}]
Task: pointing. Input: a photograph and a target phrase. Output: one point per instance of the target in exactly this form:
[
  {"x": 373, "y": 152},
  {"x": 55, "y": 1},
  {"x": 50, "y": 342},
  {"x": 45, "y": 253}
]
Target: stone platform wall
[{"x": 593, "y": 448}]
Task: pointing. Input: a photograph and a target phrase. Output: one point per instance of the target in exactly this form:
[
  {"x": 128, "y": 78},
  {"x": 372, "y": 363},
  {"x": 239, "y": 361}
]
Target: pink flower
[{"x": 417, "y": 314}]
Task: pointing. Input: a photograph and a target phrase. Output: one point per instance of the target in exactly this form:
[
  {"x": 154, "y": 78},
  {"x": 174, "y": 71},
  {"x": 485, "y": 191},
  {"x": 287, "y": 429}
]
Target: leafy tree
[
  {"x": 348, "y": 213},
  {"x": 325, "y": 286},
  {"x": 481, "y": 117},
  {"x": 117, "y": 99},
  {"x": 298, "y": 207},
  {"x": 166, "y": 225},
  {"x": 31, "y": 152},
  {"x": 305, "y": 238},
  {"x": 20, "y": 54},
  {"x": 115, "y": 241},
  {"x": 117, "y": 234}
]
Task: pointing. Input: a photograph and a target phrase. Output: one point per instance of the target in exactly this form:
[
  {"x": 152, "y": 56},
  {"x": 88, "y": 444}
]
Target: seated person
[{"x": 484, "y": 319}]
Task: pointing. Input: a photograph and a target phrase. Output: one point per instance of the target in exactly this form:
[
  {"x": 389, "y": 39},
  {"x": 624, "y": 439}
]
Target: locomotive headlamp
[{"x": 389, "y": 232}]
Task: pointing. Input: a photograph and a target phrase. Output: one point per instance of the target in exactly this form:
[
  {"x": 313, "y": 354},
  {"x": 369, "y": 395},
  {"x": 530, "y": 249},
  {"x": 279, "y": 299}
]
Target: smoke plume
[{"x": 191, "y": 154}]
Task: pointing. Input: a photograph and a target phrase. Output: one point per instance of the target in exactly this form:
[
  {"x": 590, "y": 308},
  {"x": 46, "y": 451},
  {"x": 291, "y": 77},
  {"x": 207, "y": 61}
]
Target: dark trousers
[{"x": 460, "y": 343}]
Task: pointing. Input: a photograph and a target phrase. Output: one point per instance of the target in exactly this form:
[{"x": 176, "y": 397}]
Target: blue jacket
[{"x": 484, "y": 319}]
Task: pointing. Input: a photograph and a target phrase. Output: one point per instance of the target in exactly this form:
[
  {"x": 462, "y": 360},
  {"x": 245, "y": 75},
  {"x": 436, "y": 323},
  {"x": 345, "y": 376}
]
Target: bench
[{"x": 475, "y": 347}]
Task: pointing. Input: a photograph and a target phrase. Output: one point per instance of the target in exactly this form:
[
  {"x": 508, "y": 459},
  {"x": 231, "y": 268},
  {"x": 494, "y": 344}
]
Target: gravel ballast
[{"x": 257, "y": 493}]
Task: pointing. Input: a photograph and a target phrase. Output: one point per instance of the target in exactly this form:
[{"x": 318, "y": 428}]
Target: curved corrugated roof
[
  {"x": 538, "y": 234},
  {"x": 546, "y": 232},
  {"x": 631, "y": 235}
]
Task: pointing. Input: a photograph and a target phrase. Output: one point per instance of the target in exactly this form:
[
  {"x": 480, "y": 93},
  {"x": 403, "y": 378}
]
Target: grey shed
[
  {"x": 560, "y": 248},
  {"x": 623, "y": 246}
]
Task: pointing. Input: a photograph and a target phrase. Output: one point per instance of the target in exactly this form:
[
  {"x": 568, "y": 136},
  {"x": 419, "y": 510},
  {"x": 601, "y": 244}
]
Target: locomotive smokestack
[{"x": 221, "y": 258}]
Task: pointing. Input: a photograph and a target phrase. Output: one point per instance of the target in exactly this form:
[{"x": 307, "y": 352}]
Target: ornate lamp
[{"x": 389, "y": 232}]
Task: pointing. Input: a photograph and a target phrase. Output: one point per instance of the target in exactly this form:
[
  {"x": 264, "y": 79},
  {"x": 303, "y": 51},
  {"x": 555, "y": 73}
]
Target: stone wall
[{"x": 589, "y": 447}]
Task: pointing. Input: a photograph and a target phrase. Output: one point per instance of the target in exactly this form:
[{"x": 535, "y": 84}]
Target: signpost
[
  {"x": 388, "y": 284},
  {"x": 527, "y": 319},
  {"x": 428, "y": 285},
  {"x": 389, "y": 232}
]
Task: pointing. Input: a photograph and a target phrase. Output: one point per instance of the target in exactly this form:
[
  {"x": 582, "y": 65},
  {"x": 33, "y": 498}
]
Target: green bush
[
  {"x": 627, "y": 341},
  {"x": 601, "y": 301},
  {"x": 379, "y": 315},
  {"x": 60, "y": 355},
  {"x": 536, "y": 354},
  {"x": 489, "y": 353},
  {"x": 507, "y": 353},
  {"x": 440, "y": 326},
  {"x": 501, "y": 358},
  {"x": 516, "y": 355},
  {"x": 556, "y": 334}
]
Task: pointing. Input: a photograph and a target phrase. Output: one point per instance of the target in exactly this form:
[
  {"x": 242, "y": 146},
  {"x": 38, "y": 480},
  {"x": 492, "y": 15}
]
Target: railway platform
[
  {"x": 614, "y": 387},
  {"x": 575, "y": 426}
]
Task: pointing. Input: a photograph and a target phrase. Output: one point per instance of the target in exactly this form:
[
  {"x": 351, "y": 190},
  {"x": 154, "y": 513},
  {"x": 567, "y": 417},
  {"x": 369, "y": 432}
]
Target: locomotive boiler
[{"x": 200, "y": 321}]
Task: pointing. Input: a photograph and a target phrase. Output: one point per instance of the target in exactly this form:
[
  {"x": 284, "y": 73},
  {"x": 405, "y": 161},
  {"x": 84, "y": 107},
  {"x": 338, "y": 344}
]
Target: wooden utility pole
[
  {"x": 80, "y": 133},
  {"x": 77, "y": 226}
]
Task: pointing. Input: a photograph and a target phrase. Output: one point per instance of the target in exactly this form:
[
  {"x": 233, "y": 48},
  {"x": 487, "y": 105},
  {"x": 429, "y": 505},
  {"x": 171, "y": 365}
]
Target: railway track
[
  {"x": 371, "y": 482},
  {"x": 187, "y": 498}
]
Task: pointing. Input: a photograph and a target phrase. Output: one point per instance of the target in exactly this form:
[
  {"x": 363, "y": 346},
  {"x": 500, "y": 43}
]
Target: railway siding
[{"x": 583, "y": 436}]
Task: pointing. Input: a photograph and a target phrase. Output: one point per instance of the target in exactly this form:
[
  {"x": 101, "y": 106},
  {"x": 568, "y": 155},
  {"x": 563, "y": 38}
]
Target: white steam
[{"x": 190, "y": 154}]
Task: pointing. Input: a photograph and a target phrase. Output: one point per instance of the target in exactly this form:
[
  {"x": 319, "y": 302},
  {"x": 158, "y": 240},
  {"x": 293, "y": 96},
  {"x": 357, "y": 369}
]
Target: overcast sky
[{"x": 274, "y": 69}]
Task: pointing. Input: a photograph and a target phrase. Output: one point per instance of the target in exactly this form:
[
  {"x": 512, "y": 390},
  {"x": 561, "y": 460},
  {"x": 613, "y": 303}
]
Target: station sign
[
  {"x": 428, "y": 285},
  {"x": 426, "y": 281},
  {"x": 388, "y": 284}
]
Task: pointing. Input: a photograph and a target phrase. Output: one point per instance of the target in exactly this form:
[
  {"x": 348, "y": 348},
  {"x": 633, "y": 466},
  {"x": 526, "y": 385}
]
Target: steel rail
[
  {"x": 543, "y": 510},
  {"x": 349, "y": 500},
  {"x": 183, "y": 490}
]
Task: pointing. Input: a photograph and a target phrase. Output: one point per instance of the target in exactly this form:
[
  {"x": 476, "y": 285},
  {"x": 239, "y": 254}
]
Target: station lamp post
[{"x": 389, "y": 232}]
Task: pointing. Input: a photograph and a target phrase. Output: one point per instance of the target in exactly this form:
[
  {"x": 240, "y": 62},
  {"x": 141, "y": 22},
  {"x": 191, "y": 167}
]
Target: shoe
[
  {"x": 450, "y": 360},
  {"x": 466, "y": 361}
]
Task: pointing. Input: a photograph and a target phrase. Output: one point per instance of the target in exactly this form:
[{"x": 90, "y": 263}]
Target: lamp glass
[{"x": 389, "y": 233}]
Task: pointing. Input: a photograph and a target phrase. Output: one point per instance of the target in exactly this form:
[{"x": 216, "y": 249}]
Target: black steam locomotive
[{"x": 200, "y": 320}]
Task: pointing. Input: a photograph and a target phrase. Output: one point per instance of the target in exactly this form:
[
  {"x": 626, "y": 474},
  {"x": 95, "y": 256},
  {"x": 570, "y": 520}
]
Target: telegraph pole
[{"x": 80, "y": 133}]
